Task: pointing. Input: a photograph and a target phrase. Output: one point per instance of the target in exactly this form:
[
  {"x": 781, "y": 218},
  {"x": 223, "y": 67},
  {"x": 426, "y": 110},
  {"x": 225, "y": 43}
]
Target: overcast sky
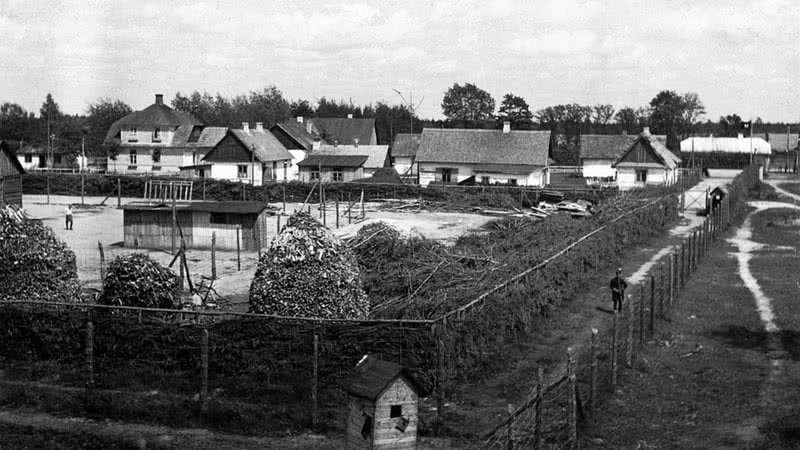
[{"x": 739, "y": 56}]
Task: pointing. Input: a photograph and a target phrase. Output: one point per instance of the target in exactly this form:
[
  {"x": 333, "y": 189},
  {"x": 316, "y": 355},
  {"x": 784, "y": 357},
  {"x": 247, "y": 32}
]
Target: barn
[
  {"x": 150, "y": 225},
  {"x": 11, "y": 172}
]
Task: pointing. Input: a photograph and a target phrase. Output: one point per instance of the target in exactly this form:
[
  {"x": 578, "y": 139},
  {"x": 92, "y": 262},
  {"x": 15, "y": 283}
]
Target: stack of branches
[
  {"x": 34, "y": 263},
  {"x": 138, "y": 280},
  {"x": 308, "y": 272}
]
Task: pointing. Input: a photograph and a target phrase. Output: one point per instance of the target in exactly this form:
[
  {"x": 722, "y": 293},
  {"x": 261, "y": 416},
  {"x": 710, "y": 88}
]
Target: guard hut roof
[{"x": 372, "y": 376}]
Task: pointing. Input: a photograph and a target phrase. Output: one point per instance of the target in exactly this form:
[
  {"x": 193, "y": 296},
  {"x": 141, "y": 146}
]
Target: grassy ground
[{"x": 710, "y": 378}]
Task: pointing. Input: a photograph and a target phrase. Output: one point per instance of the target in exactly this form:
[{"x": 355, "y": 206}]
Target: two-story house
[{"x": 154, "y": 139}]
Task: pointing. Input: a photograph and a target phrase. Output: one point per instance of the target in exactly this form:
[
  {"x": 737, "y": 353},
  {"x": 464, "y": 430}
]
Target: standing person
[
  {"x": 618, "y": 286},
  {"x": 68, "y": 217}
]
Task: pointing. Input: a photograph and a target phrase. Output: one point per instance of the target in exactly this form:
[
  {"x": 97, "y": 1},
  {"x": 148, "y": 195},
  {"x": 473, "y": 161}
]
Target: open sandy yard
[{"x": 95, "y": 224}]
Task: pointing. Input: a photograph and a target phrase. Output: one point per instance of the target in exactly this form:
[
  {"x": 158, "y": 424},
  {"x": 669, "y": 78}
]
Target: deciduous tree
[{"x": 467, "y": 103}]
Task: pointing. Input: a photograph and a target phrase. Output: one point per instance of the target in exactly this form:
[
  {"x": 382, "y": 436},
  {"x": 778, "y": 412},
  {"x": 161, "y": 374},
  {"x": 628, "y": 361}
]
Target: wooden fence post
[
  {"x": 662, "y": 291},
  {"x": 629, "y": 337},
  {"x": 278, "y": 225},
  {"x": 204, "y": 189},
  {"x": 314, "y": 381},
  {"x": 537, "y": 425},
  {"x": 349, "y": 208},
  {"x": 174, "y": 219},
  {"x": 48, "y": 189},
  {"x": 670, "y": 284},
  {"x": 204, "y": 371},
  {"x": 337, "y": 210},
  {"x": 573, "y": 404},
  {"x": 683, "y": 264},
  {"x": 283, "y": 194},
  {"x": 213, "y": 255},
  {"x": 102, "y": 263},
  {"x": 119, "y": 193},
  {"x": 238, "y": 248},
  {"x": 89, "y": 358},
  {"x": 614, "y": 355},
  {"x": 593, "y": 376},
  {"x": 652, "y": 303},
  {"x": 363, "y": 215},
  {"x": 641, "y": 314},
  {"x": 83, "y": 187}
]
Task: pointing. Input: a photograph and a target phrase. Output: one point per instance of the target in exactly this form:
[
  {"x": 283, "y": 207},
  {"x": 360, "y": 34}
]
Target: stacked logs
[{"x": 138, "y": 280}]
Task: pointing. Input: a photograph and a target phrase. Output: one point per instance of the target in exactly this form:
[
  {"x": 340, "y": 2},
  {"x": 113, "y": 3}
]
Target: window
[
  {"x": 241, "y": 170},
  {"x": 156, "y": 155},
  {"x": 484, "y": 180},
  {"x": 641, "y": 175},
  {"x": 218, "y": 218},
  {"x": 395, "y": 411},
  {"x": 512, "y": 181},
  {"x": 28, "y": 158},
  {"x": 285, "y": 170},
  {"x": 447, "y": 175},
  {"x": 274, "y": 170},
  {"x": 338, "y": 175},
  {"x": 157, "y": 135},
  {"x": 315, "y": 174},
  {"x": 133, "y": 156},
  {"x": 132, "y": 135},
  {"x": 201, "y": 173}
]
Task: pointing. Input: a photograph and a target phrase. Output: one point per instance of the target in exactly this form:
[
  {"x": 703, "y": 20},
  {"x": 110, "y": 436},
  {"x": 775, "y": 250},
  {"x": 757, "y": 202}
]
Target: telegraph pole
[{"x": 412, "y": 108}]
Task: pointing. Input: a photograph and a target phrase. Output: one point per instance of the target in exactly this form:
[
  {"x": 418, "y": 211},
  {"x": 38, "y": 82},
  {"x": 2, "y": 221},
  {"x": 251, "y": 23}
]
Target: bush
[
  {"x": 308, "y": 272},
  {"x": 34, "y": 263},
  {"x": 138, "y": 280}
]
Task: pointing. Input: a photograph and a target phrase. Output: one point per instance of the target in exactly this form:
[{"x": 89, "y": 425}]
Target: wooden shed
[
  {"x": 383, "y": 406},
  {"x": 150, "y": 225},
  {"x": 11, "y": 172}
]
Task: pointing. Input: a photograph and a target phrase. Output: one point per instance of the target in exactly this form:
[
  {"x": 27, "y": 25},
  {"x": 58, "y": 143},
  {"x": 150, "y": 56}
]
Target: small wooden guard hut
[{"x": 383, "y": 406}]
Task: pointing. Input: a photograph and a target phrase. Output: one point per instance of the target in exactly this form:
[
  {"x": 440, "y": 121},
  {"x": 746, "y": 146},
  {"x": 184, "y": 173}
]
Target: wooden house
[
  {"x": 11, "y": 172},
  {"x": 383, "y": 406},
  {"x": 514, "y": 157},
  {"x": 149, "y": 225},
  {"x": 646, "y": 162},
  {"x": 248, "y": 155}
]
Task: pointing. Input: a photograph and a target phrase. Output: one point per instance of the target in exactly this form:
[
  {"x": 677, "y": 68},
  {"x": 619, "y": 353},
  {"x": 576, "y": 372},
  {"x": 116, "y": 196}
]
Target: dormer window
[
  {"x": 157, "y": 135},
  {"x": 132, "y": 135}
]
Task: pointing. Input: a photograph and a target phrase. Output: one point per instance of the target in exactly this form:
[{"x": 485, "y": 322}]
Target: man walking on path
[
  {"x": 68, "y": 216},
  {"x": 618, "y": 286}
]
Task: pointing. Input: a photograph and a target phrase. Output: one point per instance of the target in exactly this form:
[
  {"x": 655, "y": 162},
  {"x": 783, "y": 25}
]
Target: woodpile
[
  {"x": 308, "y": 272},
  {"x": 34, "y": 263},
  {"x": 138, "y": 280}
]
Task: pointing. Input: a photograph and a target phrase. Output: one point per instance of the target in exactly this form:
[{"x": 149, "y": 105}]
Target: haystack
[
  {"x": 138, "y": 280},
  {"x": 34, "y": 263},
  {"x": 308, "y": 272}
]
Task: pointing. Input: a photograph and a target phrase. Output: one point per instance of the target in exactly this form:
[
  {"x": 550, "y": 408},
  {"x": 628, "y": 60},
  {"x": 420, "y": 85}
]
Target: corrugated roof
[
  {"x": 267, "y": 147},
  {"x": 605, "y": 146},
  {"x": 406, "y": 145},
  {"x": 372, "y": 376},
  {"x": 377, "y": 154},
  {"x": 298, "y": 132},
  {"x": 778, "y": 141},
  {"x": 315, "y": 160},
  {"x": 209, "y": 206},
  {"x": 726, "y": 145},
  {"x": 210, "y": 137},
  {"x": 484, "y": 146},
  {"x": 345, "y": 130},
  {"x": 157, "y": 115}
]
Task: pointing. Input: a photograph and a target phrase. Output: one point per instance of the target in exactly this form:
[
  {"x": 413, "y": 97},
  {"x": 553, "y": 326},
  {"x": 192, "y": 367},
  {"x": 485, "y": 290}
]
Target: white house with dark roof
[
  {"x": 154, "y": 139},
  {"x": 646, "y": 162},
  {"x": 516, "y": 157},
  {"x": 404, "y": 154},
  {"x": 249, "y": 155},
  {"x": 598, "y": 153},
  {"x": 342, "y": 163}
]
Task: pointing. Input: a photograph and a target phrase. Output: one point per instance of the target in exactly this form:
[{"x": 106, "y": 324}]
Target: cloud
[{"x": 557, "y": 42}]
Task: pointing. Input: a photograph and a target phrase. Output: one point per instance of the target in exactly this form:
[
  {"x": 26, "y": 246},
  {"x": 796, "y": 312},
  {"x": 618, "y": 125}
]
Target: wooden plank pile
[
  {"x": 34, "y": 263},
  {"x": 308, "y": 272},
  {"x": 138, "y": 280}
]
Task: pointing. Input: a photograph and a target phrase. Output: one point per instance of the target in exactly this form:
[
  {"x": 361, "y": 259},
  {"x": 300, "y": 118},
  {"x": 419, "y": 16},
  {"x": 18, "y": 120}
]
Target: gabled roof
[
  {"x": 605, "y": 146},
  {"x": 317, "y": 160},
  {"x": 726, "y": 145},
  {"x": 157, "y": 115},
  {"x": 209, "y": 137},
  {"x": 5, "y": 147},
  {"x": 484, "y": 146},
  {"x": 345, "y": 130},
  {"x": 661, "y": 152},
  {"x": 298, "y": 132},
  {"x": 377, "y": 155},
  {"x": 372, "y": 376},
  {"x": 406, "y": 145},
  {"x": 778, "y": 141},
  {"x": 267, "y": 147}
]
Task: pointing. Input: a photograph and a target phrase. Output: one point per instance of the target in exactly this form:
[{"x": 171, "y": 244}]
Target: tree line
[{"x": 676, "y": 115}]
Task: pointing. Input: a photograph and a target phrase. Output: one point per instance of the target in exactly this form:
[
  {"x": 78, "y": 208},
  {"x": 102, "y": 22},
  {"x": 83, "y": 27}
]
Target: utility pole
[
  {"x": 252, "y": 164},
  {"x": 412, "y": 108}
]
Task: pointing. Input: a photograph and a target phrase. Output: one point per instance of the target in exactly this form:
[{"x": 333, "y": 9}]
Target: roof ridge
[{"x": 487, "y": 130}]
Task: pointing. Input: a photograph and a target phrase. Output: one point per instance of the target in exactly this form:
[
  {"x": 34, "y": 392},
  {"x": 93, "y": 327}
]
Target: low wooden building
[
  {"x": 647, "y": 162},
  {"x": 11, "y": 172},
  {"x": 150, "y": 225},
  {"x": 384, "y": 404}
]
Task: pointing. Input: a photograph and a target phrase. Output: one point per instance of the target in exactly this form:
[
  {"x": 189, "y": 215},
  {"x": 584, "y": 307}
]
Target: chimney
[
  {"x": 646, "y": 131},
  {"x": 246, "y": 127},
  {"x": 506, "y": 126},
  {"x": 349, "y": 116},
  {"x": 740, "y": 136},
  {"x": 316, "y": 145},
  {"x": 260, "y": 127},
  {"x": 159, "y": 99},
  {"x": 299, "y": 119},
  {"x": 355, "y": 142},
  {"x": 308, "y": 127}
]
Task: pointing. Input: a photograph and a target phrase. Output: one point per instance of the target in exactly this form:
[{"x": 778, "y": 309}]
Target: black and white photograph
[{"x": 381, "y": 224}]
